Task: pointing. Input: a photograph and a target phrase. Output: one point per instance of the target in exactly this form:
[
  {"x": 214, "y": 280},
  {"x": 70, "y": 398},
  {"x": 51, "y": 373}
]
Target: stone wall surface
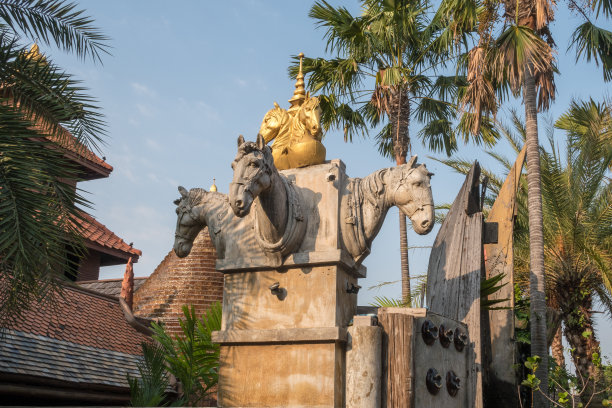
[{"x": 192, "y": 280}]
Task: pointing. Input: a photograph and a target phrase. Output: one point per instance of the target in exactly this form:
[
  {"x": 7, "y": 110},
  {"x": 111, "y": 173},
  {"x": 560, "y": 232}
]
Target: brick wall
[{"x": 181, "y": 281}]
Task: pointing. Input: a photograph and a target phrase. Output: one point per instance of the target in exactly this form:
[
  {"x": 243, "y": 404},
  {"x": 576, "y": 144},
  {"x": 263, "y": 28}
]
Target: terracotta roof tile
[
  {"x": 97, "y": 232},
  {"x": 67, "y": 141},
  {"x": 84, "y": 318}
]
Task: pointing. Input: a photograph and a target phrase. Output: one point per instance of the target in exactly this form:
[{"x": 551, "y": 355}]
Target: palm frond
[
  {"x": 57, "y": 22},
  {"x": 343, "y": 30},
  {"x": 592, "y": 42},
  {"x": 384, "y": 142},
  {"x": 48, "y": 97},
  {"x": 192, "y": 357},
  {"x": 487, "y": 288},
  {"x": 603, "y": 7},
  {"x": 514, "y": 48},
  {"x": 149, "y": 390},
  {"x": 38, "y": 209},
  {"x": 438, "y": 135},
  {"x": 343, "y": 116}
]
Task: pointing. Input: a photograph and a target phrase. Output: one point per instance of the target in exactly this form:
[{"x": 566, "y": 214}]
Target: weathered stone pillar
[
  {"x": 363, "y": 363},
  {"x": 284, "y": 330}
]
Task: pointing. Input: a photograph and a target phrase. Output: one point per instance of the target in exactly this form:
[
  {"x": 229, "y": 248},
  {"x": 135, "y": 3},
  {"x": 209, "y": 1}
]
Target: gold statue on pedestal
[{"x": 297, "y": 131}]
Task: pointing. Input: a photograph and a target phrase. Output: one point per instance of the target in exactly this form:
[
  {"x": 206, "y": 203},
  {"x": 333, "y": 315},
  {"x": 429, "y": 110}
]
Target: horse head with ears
[
  {"x": 188, "y": 223},
  {"x": 412, "y": 194},
  {"x": 309, "y": 118},
  {"x": 253, "y": 174}
]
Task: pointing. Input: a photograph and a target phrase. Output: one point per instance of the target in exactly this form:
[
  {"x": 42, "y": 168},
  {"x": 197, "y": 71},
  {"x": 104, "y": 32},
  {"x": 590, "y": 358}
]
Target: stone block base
[{"x": 282, "y": 375}]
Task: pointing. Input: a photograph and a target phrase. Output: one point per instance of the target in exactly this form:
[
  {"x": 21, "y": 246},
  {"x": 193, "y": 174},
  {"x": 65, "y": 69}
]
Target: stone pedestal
[{"x": 287, "y": 346}]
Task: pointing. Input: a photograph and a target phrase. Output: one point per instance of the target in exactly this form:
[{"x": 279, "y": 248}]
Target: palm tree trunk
[
  {"x": 536, "y": 238},
  {"x": 580, "y": 334},
  {"x": 399, "y": 117},
  {"x": 557, "y": 348},
  {"x": 406, "y": 295}
]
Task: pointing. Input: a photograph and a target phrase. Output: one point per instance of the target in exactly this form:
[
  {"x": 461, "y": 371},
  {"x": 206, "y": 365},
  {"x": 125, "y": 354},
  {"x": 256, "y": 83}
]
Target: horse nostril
[
  {"x": 238, "y": 203},
  {"x": 425, "y": 224}
]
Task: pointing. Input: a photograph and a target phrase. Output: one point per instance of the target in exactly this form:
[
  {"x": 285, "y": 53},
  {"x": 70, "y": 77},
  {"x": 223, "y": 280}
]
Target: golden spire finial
[
  {"x": 214, "y": 186},
  {"x": 35, "y": 55},
  {"x": 300, "y": 93}
]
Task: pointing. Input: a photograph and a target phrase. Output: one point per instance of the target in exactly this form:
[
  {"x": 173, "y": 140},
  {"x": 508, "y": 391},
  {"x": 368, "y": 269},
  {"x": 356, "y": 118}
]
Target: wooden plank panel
[
  {"x": 501, "y": 382},
  {"x": 470, "y": 290},
  {"x": 454, "y": 273}
]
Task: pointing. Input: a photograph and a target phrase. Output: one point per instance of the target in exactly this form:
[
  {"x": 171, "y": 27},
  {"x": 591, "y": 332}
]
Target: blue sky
[{"x": 186, "y": 78}]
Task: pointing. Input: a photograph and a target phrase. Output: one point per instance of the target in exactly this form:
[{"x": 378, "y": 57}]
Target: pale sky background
[{"x": 187, "y": 77}]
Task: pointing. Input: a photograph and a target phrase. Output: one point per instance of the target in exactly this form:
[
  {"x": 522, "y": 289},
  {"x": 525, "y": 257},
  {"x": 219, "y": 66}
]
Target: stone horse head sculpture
[
  {"x": 279, "y": 221},
  {"x": 366, "y": 201},
  {"x": 232, "y": 237},
  {"x": 196, "y": 209}
]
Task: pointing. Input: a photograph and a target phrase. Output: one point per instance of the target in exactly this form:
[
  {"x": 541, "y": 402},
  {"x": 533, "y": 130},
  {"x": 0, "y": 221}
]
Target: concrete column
[{"x": 363, "y": 364}]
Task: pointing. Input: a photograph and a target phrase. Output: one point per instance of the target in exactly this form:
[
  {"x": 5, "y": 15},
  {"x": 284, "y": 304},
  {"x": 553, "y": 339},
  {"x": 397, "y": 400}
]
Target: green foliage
[
  {"x": 595, "y": 43},
  {"x": 39, "y": 241},
  {"x": 55, "y": 22},
  {"x": 417, "y": 298},
  {"x": 564, "y": 389},
  {"x": 417, "y": 294},
  {"x": 384, "y": 65},
  {"x": 513, "y": 48},
  {"x": 488, "y": 287},
  {"x": 383, "y": 301},
  {"x": 149, "y": 390},
  {"x": 577, "y": 207},
  {"x": 522, "y": 305},
  {"x": 192, "y": 357}
]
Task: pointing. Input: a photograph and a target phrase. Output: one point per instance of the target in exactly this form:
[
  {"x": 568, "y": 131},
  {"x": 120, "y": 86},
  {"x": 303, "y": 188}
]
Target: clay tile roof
[
  {"x": 83, "y": 317},
  {"x": 67, "y": 141},
  {"x": 80, "y": 337},
  {"x": 97, "y": 233},
  {"x": 40, "y": 356},
  {"x": 111, "y": 287}
]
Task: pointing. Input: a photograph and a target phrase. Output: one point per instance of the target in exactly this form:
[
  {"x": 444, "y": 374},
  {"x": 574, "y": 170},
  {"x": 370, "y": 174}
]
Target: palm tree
[
  {"x": 579, "y": 252},
  {"x": 41, "y": 107},
  {"x": 577, "y": 233},
  {"x": 384, "y": 66},
  {"x": 521, "y": 60}
]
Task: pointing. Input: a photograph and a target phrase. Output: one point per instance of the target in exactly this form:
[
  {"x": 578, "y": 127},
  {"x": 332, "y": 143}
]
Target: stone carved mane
[
  {"x": 366, "y": 202},
  {"x": 231, "y": 236},
  {"x": 279, "y": 222}
]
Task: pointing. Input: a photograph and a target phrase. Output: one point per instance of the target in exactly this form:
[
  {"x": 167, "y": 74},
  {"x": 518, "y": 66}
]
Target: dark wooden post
[{"x": 397, "y": 359}]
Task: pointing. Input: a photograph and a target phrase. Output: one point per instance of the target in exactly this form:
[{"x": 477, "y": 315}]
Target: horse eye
[
  {"x": 254, "y": 164},
  {"x": 417, "y": 184}
]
